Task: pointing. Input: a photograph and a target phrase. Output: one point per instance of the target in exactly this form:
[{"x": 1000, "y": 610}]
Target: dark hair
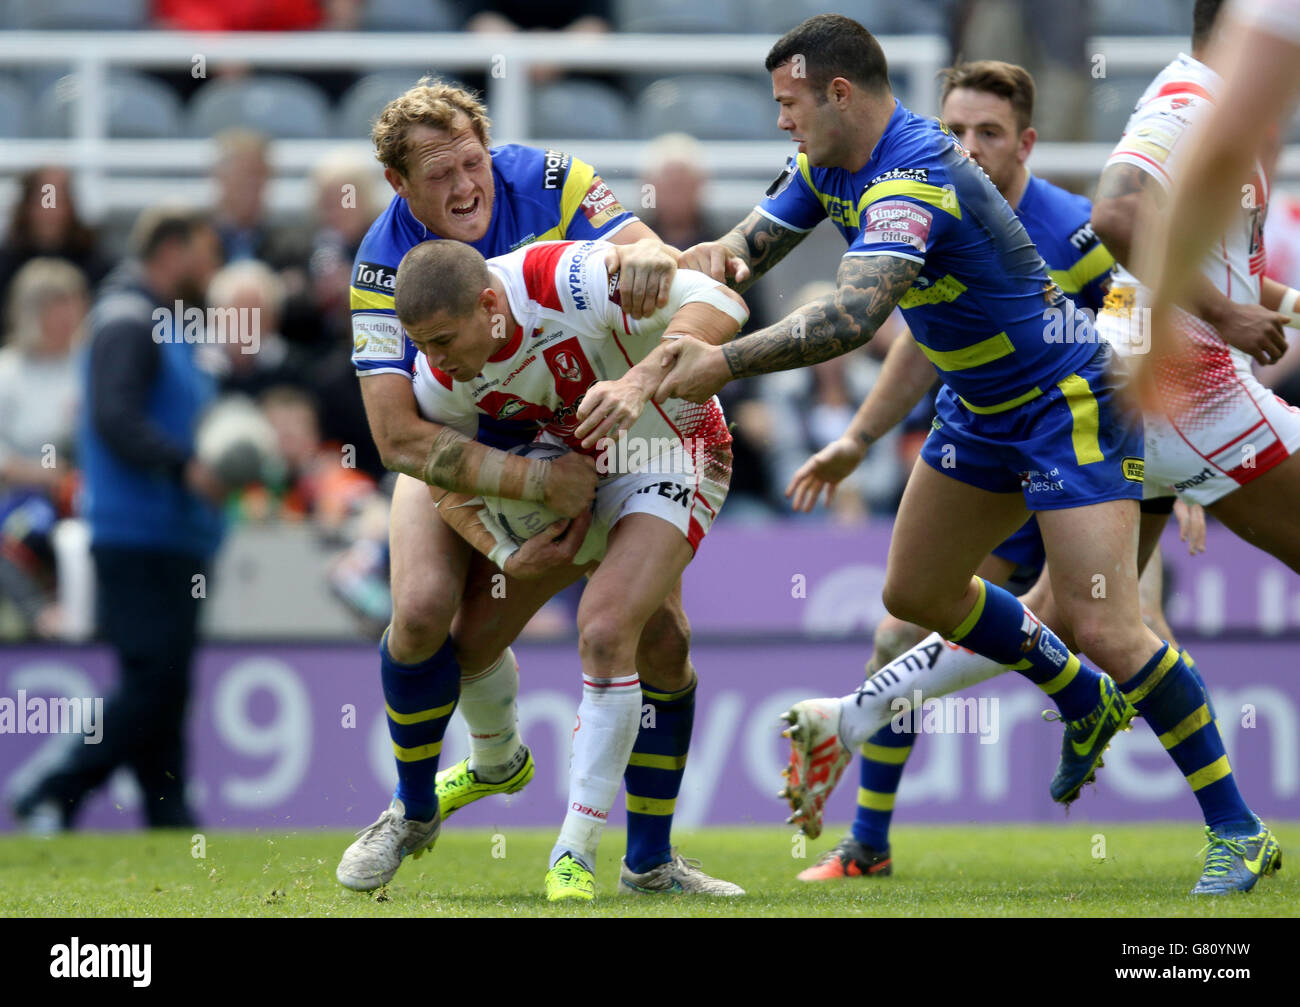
[
  {"x": 158, "y": 226},
  {"x": 830, "y": 46},
  {"x": 1204, "y": 16},
  {"x": 438, "y": 276},
  {"x": 1006, "y": 80},
  {"x": 78, "y": 239}
]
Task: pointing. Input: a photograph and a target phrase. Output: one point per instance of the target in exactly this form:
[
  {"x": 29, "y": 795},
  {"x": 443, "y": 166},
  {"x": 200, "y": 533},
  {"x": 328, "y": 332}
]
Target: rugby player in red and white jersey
[
  {"x": 1258, "y": 55},
  {"x": 539, "y": 334},
  {"x": 1218, "y": 437}
]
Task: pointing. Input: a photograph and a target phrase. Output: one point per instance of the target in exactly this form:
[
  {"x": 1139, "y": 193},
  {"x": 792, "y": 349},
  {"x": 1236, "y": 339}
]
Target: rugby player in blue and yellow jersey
[
  {"x": 448, "y": 643},
  {"x": 1027, "y": 422}
]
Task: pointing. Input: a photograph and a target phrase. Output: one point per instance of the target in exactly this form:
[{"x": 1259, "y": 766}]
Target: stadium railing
[{"x": 123, "y": 175}]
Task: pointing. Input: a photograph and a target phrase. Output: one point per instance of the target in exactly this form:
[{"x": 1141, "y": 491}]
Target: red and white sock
[{"x": 609, "y": 717}]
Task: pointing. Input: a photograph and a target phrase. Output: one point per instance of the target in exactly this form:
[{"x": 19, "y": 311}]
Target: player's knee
[
  {"x": 1101, "y": 640},
  {"x": 893, "y": 637},
  {"x": 604, "y": 641},
  {"x": 903, "y": 603},
  {"x": 421, "y": 620}
]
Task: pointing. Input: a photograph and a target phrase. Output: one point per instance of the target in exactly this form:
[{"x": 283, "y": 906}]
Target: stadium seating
[
  {"x": 409, "y": 15},
  {"x": 15, "y": 121},
  {"x": 708, "y": 107},
  {"x": 139, "y": 108},
  {"x": 65, "y": 15},
  {"x": 580, "y": 109},
  {"x": 716, "y": 16},
  {"x": 279, "y": 106},
  {"x": 365, "y": 99},
  {"x": 1111, "y": 101},
  {"x": 1149, "y": 17},
  {"x": 881, "y": 17}
]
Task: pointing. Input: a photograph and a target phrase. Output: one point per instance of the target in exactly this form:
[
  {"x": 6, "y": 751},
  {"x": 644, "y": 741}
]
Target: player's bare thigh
[
  {"x": 496, "y": 608},
  {"x": 945, "y": 529},
  {"x": 429, "y": 564},
  {"x": 1264, "y": 511},
  {"x": 1092, "y": 555},
  {"x": 643, "y": 563},
  {"x": 1040, "y": 600}
]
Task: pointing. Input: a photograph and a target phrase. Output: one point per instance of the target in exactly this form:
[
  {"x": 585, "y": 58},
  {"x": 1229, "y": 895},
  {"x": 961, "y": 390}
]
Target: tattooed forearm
[
  {"x": 869, "y": 288},
  {"x": 761, "y": 242}
]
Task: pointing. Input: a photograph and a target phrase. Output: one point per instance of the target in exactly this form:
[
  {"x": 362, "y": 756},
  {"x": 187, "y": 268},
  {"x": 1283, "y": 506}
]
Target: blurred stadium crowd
[{"x": 294, "y": 272}]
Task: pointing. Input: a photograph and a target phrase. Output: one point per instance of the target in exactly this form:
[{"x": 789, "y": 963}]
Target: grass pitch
[{"x": 984, "y": 870}]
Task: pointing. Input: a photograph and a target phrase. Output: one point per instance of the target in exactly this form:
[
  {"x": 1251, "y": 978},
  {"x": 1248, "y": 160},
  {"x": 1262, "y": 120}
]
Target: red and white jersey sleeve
[
  {"x": 1156, "y": 139},
  {"x": 572, "y": 333}
]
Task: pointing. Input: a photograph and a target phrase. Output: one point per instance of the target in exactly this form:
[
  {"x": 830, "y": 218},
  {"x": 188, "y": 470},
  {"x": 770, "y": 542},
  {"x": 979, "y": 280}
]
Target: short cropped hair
[
  {"x": 1204, "y": 17},
  {"x": 830, "y": 46},
  {"x": 160, "y": 225},
  {"x": 992, "y": 76},
  {"x": 438, "y": 276},
  {"x": 433, "y": 103}
]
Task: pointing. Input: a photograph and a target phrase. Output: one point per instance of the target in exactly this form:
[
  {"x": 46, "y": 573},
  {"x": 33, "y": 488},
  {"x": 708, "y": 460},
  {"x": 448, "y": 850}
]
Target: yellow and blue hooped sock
[
  {"x": 1000, "y": 628},
  {"x": 884, "y": 757},
  {"x": 654, "y": 774},
  {"x": 1196, "y": 674},
  {"x": 1175, "y": 705},
  {"x": 420, "y": 699}
]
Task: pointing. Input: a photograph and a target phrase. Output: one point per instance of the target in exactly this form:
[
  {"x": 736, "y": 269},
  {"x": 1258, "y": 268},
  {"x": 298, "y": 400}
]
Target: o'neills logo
[
  {"x": 590, "y": 812},
  {"x": 518, "y": 370}
]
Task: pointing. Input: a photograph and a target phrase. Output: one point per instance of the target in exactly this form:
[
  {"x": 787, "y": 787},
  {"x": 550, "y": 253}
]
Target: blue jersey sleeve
[
  {"x": 588, "y": 207},
  {"x": 791, "y": 200},
  {"x": 903, "y": 218}
]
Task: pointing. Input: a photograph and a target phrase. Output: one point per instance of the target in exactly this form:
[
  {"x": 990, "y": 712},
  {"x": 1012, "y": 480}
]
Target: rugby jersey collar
[{"x": 895, "y": 121}]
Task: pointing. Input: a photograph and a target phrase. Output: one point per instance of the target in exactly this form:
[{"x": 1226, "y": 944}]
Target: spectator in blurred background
[
  {"x": 257, "y": 15},
  {"x": 812, "y": 407},
  {"x": 44, "y": 222},
  {"x": 39, "y": 392},
  {"x": 577, "y": 17},
  {"x": 154, "y": 525},
  {"x": 674, "y": 178},
  {"x": 249, "y": 294},
  {"x": 1047, "y": 38},
  {"x": 240, "y": 173},
  {"x": 315, "y": 263}
]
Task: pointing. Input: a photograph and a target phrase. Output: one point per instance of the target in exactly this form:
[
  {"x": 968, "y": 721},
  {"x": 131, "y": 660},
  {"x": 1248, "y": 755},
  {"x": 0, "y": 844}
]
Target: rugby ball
[
  {"x": 522, "y": 519},
  {"x": 238, "y": 443}
]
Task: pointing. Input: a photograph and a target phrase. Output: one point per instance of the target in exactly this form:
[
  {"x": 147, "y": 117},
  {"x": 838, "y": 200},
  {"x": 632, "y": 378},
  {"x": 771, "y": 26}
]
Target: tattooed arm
[
  {"x": 870, "y": 286},
  {"x": 744, "y": 253}
]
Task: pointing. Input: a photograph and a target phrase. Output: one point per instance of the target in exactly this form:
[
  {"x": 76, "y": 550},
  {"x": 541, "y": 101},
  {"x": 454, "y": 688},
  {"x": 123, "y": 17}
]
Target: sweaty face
[
  {"x": 814, "y": 125},
  {"x": 448, "y": 184},
  {"x": 460, "y": 346},
  {"x": 986, "y": 126}
]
